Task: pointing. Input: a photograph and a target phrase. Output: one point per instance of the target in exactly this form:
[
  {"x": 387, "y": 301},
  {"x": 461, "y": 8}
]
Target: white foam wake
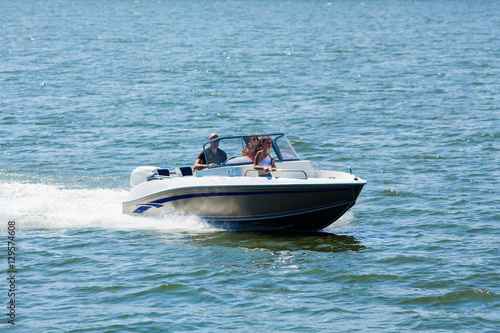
[{"x": 40, "y": 206}]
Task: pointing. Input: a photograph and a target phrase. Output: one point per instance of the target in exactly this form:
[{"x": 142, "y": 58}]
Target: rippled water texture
[{"x": 406, "y": 93}]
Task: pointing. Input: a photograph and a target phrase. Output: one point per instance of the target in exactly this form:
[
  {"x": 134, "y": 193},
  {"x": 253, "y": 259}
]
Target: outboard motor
[{"x": 142, "y": 174}]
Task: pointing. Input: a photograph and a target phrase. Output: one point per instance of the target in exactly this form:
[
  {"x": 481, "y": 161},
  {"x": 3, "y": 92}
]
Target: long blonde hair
[{"x": 260, "y": 146}]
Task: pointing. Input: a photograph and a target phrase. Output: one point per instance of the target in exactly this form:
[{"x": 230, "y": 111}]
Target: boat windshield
[{"x": 237, "y": 149}]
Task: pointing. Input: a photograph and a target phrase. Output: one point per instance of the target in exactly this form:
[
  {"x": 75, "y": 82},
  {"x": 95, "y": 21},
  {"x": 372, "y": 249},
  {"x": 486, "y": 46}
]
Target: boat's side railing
[
  {"x": 335, "y": 165},
  {"x": 280, "y": 171}
]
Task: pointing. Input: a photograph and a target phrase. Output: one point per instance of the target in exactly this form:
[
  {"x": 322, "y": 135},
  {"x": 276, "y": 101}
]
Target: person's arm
[
  {"x": 273, "y": 163},
  {"x": 245, "y": 151},
  {"x": 199, "y": 164}
]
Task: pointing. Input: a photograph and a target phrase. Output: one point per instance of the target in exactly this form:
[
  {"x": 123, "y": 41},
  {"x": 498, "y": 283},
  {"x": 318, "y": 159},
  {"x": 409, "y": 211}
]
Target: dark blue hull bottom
[{"x": 302, "y": 222}]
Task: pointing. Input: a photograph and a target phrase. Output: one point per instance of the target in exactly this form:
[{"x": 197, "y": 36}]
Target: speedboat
[{"x": 231, "y": 195}]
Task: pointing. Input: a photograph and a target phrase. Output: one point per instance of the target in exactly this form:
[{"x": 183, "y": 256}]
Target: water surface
[{"x": 406, "y": 93}]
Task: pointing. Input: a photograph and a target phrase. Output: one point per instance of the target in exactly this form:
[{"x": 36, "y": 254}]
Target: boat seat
[
  {"x": 184, "y": 171},
  {"x": 163, "y": 172}
]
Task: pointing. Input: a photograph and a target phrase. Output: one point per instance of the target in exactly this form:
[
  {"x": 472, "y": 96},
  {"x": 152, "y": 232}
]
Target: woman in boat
[
  {"x": 249, "y": 149},
  {"x": 264, "y": 162}
]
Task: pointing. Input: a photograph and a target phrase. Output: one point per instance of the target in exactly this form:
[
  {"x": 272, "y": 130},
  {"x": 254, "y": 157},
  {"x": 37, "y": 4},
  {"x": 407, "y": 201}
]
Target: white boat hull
[{"x": 249, "y": 202}]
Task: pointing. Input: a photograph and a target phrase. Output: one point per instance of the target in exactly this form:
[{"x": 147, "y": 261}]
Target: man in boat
[{"x": 214, "y": 155}]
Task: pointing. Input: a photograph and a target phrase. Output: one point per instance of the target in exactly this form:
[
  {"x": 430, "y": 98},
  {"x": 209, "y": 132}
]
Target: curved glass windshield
[
  {"x": 285, "y": 149},
  {"x": 237, "y": 150}
]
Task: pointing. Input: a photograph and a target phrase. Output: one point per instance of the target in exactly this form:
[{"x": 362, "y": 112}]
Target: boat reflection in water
[
  {"x": 297, "y": 197},
  {"x": 277, "y": 241}
]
